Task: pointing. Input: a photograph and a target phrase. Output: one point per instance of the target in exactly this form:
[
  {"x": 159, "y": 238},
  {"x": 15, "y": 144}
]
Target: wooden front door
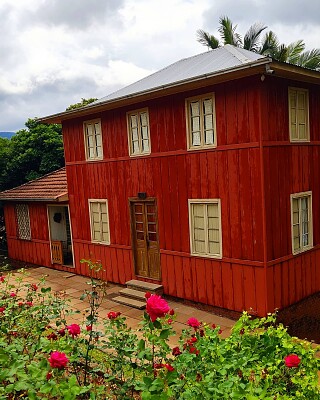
[{"x": 144, "y": 224}]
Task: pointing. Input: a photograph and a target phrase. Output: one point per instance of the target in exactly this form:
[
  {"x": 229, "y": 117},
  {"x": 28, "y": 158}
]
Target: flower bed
[{"x": 45, "y": 357}]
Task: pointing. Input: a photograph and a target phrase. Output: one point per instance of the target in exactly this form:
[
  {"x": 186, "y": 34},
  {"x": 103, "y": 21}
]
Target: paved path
[{"x": 74, "y": 286}]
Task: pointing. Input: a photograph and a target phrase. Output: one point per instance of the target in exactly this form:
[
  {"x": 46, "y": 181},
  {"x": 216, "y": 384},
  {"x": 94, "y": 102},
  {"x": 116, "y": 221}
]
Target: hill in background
[{"x": 7, "y": 135}]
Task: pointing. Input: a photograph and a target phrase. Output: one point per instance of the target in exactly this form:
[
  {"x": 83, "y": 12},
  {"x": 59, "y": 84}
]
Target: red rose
[
  {"x": 20, "y": 304},
  {"x": 241, "y": 331},
  {"x": 34, "y": 287},
  {"x": 158, "y": 365},
  {"x": 89, "y": 328},
  {"x": 213, "y": 326},
  {"x": 13, "y": 294},
  {"x": 52, "y": 336},
  {"x": 147, "y": 295},
  {"x": 171, "y": 312},
  {"x": 292, "y": 361},
  {"x": 74, "y": 330},
  {"x": 193, "y": 322},
  {"x": 193, "y": 350},
  {"x": 29, "y": 303},
  {"x": 2, "y": 309},
  {"x": 169, "y": 367},
  {"x": 2, "y": 278},
  {"x": 157, "y": 307},
  {"x": 62, "y": 332},
  {"x": 170, "y": 321},
  {"x": 176, "y": 351},
  {"x": 58, "y": 360},
  {"x": 219, "y": 331},
  {"x": 201, "y": 332},
  {"x": 113, "y": 315},
  {"x": 49, "y": 375}
]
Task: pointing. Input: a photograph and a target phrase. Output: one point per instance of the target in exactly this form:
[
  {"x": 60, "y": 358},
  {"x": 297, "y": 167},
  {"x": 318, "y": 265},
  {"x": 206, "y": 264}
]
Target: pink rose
[
  {"x": 13, "y": 294},
  {"x": 58, "y": 360},
  {"x": 157, "y": 307},
  {"x": 292, "y": 361},
  {"x": 193, "y": 322},
  {"x": 74, "y": 330}
]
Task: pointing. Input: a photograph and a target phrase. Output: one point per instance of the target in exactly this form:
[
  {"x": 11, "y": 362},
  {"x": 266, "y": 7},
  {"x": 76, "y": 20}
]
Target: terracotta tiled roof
[{"x": 51, "y": 187}]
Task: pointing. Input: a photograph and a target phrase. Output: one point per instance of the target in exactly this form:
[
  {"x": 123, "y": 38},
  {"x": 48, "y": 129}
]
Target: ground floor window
[
  {"x": 23, "y": 221},
  {"x": 99, "y": 219},
  {"x": 301, "y": 221},
  {"x": 205, "y": 227}
]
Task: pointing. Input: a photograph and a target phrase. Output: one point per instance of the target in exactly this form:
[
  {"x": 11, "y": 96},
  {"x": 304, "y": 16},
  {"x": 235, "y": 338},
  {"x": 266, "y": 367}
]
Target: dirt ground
[{"x": 303, "y": 318}]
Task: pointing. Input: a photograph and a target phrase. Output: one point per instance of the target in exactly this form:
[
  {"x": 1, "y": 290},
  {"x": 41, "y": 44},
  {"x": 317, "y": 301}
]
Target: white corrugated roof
[{"x": 214, "y": 61}]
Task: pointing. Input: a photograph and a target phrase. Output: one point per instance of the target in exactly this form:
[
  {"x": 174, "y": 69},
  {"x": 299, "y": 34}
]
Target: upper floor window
[
  {"x": 23, "y": 221},
  {"x": 138, "y": 132},
  {"x": 299, "y": 115},
  {"x": 205, "y": 228},
  {"x": 201, "y": 122},
  {"x": 93, "y": 140},
  {"x": 99, "y": 219},
  {"x": 301, "y": 222}
]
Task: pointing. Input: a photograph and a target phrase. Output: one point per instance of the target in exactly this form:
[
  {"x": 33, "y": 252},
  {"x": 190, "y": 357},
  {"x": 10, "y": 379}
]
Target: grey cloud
[
  {"x": 45, "y": 100},
  {"x": 247, "y": 12},
  {"x": 77, "y": 14}
]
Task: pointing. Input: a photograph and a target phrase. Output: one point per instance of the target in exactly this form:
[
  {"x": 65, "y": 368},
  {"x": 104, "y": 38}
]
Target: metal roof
[
  {"x": 51, "y": 187},
  {"x": 214, "y": 61}
]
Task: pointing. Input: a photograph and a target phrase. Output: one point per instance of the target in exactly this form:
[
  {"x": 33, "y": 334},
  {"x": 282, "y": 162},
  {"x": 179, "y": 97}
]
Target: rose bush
[{"x": 44, "y": 357}]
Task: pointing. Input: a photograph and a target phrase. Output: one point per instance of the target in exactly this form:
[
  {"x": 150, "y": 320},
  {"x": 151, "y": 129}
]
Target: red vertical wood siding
[{"x": 173, "y": 175}]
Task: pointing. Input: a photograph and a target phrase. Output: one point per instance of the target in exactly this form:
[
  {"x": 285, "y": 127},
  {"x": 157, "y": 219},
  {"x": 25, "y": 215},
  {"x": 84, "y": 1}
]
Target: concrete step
[
  {"x": 145, "y": 286},
  {"x": 130, "y": 302},
  {"x": 132, "y": 293}
]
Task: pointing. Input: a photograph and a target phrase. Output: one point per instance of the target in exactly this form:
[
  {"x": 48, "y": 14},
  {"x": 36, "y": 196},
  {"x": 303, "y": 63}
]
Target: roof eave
[
  {"x": 295, "y": 72},
  {"x": 224, "y": 75},
  {"x": 57, "y": 199}
]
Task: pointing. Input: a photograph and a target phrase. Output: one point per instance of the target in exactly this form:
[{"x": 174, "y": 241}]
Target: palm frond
[
  {"x": 294, "y": 51},
  {"x": 269, "y": 44},
  {"x": 206, "y": 39},
  {"x": 310, "y": 59},
  {"x": 228, "y": 32},
  {"x": 251, "y": 38}
]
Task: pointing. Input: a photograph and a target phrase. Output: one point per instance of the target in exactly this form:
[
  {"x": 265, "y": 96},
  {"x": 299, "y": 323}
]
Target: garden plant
[{"x": 44, "y": 356}]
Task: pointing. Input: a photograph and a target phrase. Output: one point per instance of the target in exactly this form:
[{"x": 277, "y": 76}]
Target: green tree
[
  {"x": 82, "y": 103},
  {"x": 268, "y": 45},
  {"x": 31, "y": 153}
]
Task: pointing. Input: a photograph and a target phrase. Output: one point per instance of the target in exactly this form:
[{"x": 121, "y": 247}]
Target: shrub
[{"x": 44, "y": 357}]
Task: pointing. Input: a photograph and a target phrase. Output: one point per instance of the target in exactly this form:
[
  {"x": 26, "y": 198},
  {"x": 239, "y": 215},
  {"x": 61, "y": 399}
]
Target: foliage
[
  {"x": 268, "y": 45},
  {"x": 42, "y": 357},
  {"x": 82, "y": 103},
  {"x": 31, "y": 153}
]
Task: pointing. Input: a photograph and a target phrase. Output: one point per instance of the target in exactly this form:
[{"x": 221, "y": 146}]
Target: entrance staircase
[{"x": 134, "y": 294}]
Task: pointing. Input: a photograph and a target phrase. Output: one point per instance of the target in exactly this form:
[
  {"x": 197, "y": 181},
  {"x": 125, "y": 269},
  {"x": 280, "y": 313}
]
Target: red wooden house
[{"x": 203, "y": 177}]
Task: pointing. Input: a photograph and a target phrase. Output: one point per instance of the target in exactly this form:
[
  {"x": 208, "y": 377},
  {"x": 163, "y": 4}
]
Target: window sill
[
  {"x": 213, "y": 256},
  {"x": 297, "y": 252}
]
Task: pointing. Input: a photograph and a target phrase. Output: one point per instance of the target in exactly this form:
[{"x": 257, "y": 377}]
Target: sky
[{"x": 55, "y": 52}]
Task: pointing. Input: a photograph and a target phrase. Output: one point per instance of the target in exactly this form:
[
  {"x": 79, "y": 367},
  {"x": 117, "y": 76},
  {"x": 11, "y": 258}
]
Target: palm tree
[{"x": 269, "y": 45}]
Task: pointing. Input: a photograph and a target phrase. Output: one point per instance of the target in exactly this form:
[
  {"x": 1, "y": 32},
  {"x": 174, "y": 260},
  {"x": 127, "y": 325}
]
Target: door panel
[{"x": 145, "y": 238}]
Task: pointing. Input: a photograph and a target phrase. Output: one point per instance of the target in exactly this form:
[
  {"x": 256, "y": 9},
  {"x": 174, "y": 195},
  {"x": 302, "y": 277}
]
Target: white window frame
[
  {"x": 24, "y": 210},
  {"x": 306, "y": 109},
  {"x": 302, "y": 247},
  {"x": 86, "y": 124},
  {"x": 129, "y": 130},
  {"x": 91, "y": 201},
  {"x": 191, "y": 227},
  {"x": 202, "y": 145}
]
